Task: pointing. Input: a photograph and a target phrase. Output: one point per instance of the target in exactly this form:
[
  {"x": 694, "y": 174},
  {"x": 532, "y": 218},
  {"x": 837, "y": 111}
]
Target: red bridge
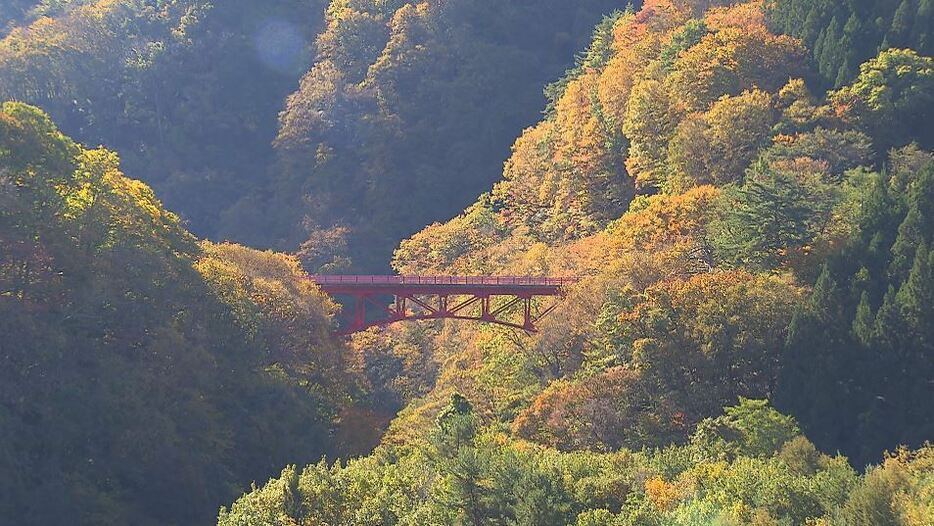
[{"x": 490, "y": 299}]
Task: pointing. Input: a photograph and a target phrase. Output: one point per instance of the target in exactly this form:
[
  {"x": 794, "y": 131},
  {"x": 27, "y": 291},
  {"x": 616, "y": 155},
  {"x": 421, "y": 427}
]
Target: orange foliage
[
  {"x": 665, "y": 219},
  {"x": 564, "y": 176},
  {"x": 732, "y": 60},
  {"x": 598, "y": 413},
  {"x": 637, "y": 40},
  {"x": 749, "y": 15},
  {"x": 663, "y": 495}
]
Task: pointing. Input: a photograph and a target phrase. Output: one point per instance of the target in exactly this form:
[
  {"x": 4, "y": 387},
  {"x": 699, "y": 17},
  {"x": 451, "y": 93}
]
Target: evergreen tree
[
  {"x": 878, "y": 368},
  {"x": 916, "y": 297},
  {"x": 921, "y": 33},
  {"x": 816, "y": 382},
  {"x": 899, "y": 32},
  {"x": 829, "y": 60},
  {"x": 772, "y": 216},
  {"x": 870, "y": 26},
  {"x": 863, "y": 324},
  {"x": 463, "y": 466},
  {"x": 850, "y": 49}
]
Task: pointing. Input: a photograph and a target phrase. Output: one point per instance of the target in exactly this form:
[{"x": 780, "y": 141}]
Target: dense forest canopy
[
  {"x": 757, "y": 227},
  {"x": 141, "y": 367},
  {"x": 405, "y": 117},
  {"x": 744, "y": 188},
  {"x": 186, "y": 90},
  {"x": 745, "y": 236},
  {"x": 843, "y": 35}
]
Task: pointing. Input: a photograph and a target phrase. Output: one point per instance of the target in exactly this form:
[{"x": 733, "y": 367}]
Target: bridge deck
[
  {"x": 450, "y": 285},
  {"x": 528, "y": 281}
]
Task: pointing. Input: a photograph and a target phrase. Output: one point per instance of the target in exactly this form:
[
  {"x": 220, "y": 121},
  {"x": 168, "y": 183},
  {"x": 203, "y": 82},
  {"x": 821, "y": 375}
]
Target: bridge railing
[{"x": 443, "y": 280}]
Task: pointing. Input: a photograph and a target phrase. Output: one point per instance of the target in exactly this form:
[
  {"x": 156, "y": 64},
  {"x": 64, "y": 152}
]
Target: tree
[
  {"x": 649, "y": 125},
  {"x": 857, "y": 352},
  {"x": 731, "y": 61},
  {"x": 719, "y": 147},
  {"x": 822, "y": 150},
  {"x": 891, "y": 99},
  {"x": 868, "y": 27},
  {"x": 465, "y": 468},
  {"x": 749, "y": 429},
  {"x": 898, "y": 35},
  {"x": 400, "y": 99},
  {"x": 772, "y": 216}
]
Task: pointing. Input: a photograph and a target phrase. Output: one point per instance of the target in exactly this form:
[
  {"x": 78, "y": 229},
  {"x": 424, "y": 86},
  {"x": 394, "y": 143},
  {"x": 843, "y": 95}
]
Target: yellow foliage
[
  {"x": 271, "y": 296},
  {"x": 731, "y": 60},
  {"x": 718, "y": 146},
  {"x": 637, "y": 41},
  {"x": 665, "y": 219},
  {"x": 649, "y": 124},
  {"x": 915, "y": 499},
  {"x": 747, "y": 15}
]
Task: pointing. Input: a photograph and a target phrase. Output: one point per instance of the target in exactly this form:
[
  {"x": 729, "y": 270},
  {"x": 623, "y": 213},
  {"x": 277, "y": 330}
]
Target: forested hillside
[
  {"x": 748, "y": 240},
  {"x": 14, "y": 12},
  {"x": 186, "y": 90},
  {"x": 745, "y": 190},
  {"x": 842, "y": 35},
  {"x": 407, "y": 109},
  {"x": 405, "y": 117},
  {"x": 146, "y": 377}
]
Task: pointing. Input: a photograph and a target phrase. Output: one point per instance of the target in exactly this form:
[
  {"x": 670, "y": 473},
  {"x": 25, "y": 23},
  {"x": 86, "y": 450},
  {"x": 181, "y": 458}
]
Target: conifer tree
[
  {"x": 923, "y": 24},
  {"x": 863, "y": 324},
  {"x": 915, "y": 298},
  {"x": 899, "y": 31}
]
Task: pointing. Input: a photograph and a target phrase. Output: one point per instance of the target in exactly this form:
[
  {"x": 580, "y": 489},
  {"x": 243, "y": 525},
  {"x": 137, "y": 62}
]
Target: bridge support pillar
[
  {"x": 485, "y": 313},
  {"x": 528, "y": 321},
  {"x": 359, "y": 313},
  {"x": 443, "y": 305}
]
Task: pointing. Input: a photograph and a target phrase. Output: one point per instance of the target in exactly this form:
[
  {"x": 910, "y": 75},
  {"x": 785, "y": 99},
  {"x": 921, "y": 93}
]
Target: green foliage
[
  {"x": 491, "y": 480},
  {"x": 186, "y": 90},
  {"x": 596, "y": 56},
  {"x": 717, "y": 147},
  {"x": 892, "y": 98},
  {"x": 684, "y": 349},
  {"x": 861, "y": 345},
  {"x": 771, "y": 217},
  {"x": 826, "y": 151},
  {"x": 842, "y": 35},
  {"x": 896, "y": 492},
  {"x": 750, "y": 429},
  {"x": 687, "y": 37},
  {"x": 405, "y": 114},
  {"x": 140, "y": 367}
]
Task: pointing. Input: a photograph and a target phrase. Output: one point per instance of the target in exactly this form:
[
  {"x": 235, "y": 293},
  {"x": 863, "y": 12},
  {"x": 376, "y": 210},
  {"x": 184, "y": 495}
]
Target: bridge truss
[{"x": 382, "y": 300}]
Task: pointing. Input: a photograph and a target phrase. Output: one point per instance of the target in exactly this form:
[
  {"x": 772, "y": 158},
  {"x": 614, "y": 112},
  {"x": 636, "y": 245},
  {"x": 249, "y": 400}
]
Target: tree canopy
[
  {"x": 744, "y": 191},
  {"x": 141, "y": 367}
]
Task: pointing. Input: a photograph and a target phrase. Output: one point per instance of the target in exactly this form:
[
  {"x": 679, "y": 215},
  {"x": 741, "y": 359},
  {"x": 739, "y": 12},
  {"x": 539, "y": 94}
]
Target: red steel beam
[{"x": 404, "y": 289}]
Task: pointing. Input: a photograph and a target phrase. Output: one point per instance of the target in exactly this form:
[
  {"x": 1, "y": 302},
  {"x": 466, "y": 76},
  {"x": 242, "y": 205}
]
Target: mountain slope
[
  {"x": 141, "y": 367},
  {"x": 740, "y": 236},
  {"x": 746, "y": 185},
  {"x": 186, "y": 90},
  {"x": 405, "y": 117}
]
